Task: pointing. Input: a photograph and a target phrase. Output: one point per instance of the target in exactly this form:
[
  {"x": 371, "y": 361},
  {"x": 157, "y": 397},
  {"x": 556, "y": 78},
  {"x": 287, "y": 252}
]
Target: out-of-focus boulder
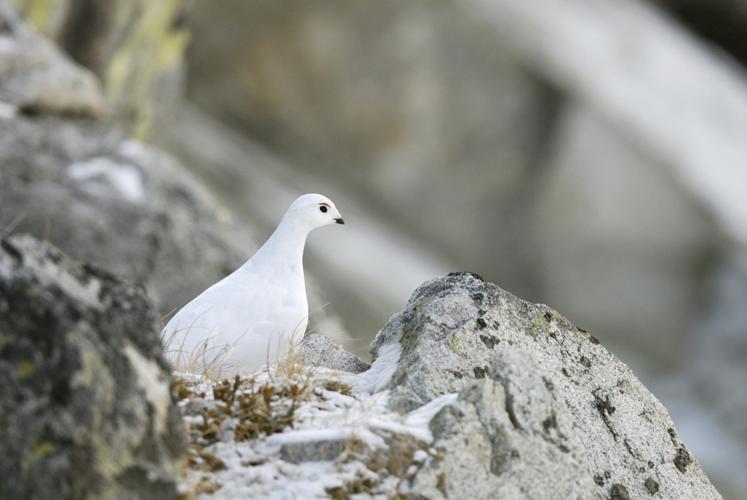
[
  {"x": 639, "y": 81},
  {"x": 85, "y": 404},
  {"x": 717, "y": 357},
  {"x": 36, "y": 77},
  {"x": 115, "y": 202},
  {"x": 617, "y": 243},
  {"x": 136, "y": 47}
]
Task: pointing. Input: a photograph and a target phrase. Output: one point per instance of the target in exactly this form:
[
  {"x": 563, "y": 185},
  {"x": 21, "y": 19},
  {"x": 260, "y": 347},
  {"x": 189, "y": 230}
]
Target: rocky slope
[{"x": 472, "y": 393}]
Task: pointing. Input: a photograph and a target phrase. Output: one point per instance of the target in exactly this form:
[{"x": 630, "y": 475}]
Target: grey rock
[
  {"x": 717, "y": 360},
  {"x": 641, "y": 105},
  {"x": 117, "y": 203},
  {"x": 311, "y": 451},
  {"x": 592, "y": 166},
  {"x": 706, "y": 396},
  {"x": 35, "y": 76},
  {"x": 85, "y": 403},
  {"x": 319, "y": 350},
  {"x": 543, "y": 409}
]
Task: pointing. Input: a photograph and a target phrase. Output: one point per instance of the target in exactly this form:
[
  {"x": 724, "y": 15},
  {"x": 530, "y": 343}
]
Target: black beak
[{"x": 339, "y": 220}]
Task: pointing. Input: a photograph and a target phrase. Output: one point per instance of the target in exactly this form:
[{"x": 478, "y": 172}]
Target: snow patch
[
  {"x": 102, "y": 176},
  {"x": 136, "y": 152},
  {"x": 420, "y": 418},
  {"x": 381, "y": 372},
  {"x": 7, "y": 45},
  {"x": 255, "y": 469},
  {"x": 7, "y": 111}
]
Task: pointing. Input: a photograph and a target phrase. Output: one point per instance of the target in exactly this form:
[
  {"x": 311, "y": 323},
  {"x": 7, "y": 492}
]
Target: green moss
[
  {"x": 151, "y": 48},
  {"x": 38, "y": 452},
  {"x": 42, "y": 450},
  {"x": 91, "y": 367},
  {"x": 455, "y": 345},
  {"x": 25, "y": 370},
  {"x": 539, "y": 325},
  {"x": 109, "y": 461},
  {"x": 407, "y": 335},
  {"x": 37, "y": 12}
]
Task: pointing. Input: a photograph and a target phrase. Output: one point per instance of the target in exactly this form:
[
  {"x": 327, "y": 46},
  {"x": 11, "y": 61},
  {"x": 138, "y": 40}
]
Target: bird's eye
[{"x": 323, "y": 209}]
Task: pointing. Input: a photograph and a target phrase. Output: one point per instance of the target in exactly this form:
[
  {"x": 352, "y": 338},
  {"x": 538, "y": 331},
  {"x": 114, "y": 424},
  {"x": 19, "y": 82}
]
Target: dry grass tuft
[
  {"x": 243, "y": 407},
  {"x": 359, "y": 484},
  {"x": 396, "y": 460},
  {"x": 338, "y": 386},
  {"x": 237, "y": 409}
]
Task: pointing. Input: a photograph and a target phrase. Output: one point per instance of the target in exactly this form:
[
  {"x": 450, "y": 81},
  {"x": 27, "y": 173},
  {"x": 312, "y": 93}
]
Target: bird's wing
[{"x": 238, "y": 311}]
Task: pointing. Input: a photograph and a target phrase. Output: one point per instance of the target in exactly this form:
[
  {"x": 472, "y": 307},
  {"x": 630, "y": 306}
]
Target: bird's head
[{"x": 314, "y": 210}]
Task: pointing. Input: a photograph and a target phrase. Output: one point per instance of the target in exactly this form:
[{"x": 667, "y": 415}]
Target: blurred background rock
[{"x": 588, "y": 154}]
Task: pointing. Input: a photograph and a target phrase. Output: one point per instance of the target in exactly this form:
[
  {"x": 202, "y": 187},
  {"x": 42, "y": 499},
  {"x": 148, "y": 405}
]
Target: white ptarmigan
[{"x": 257, "y": 312}]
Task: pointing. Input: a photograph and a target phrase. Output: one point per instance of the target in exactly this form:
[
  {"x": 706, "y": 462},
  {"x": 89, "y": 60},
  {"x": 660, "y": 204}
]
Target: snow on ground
[{"x": 307, "y": 434}]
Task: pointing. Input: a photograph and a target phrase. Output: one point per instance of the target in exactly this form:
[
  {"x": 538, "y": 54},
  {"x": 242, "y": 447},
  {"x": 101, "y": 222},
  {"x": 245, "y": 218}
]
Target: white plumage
[{"x": 259, "y": 311}]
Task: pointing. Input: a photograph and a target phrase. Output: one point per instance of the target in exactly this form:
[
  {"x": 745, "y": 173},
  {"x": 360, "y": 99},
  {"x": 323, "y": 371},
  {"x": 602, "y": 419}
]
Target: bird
[{"x": 257, "y": 313}]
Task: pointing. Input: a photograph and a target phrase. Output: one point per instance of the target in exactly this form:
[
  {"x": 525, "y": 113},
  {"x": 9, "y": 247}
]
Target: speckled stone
[
  {"x": 319, "y": 350},
  {"x": 85, "y": 403},
  {"x": 544, "y": 410}
]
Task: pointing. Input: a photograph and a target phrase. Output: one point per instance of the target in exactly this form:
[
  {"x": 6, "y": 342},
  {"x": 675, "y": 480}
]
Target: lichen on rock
[
  {"x": 85, "y": 407},
  {"x": 544, "y": 410}
]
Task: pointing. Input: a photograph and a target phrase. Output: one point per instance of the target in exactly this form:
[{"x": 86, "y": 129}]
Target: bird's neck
[{"x": 284, "y": 249}]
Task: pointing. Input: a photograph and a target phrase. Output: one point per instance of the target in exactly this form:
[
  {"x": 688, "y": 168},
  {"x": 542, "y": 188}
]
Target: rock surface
[
  {"x": 96, "y": 194},
  {"x": 85, "y": 405},
  {"x": 118, "y": 203},
  {"x": 543, "y": 409},
  {"x": 320, "y": 351},
  {"x": 134, "y": 46},
  {"x": 37, "y": 77}
]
